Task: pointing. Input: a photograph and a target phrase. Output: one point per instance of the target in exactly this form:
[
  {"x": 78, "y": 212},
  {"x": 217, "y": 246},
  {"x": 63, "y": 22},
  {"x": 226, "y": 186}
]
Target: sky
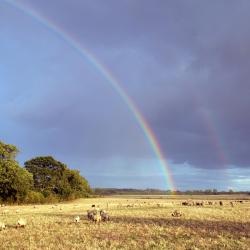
[{"x": 184, "y": 64}]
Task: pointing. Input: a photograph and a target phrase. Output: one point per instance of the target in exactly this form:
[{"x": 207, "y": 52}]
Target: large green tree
[
  {"x": 54, "y": 177},
  {"x": 15, "y": 181}
]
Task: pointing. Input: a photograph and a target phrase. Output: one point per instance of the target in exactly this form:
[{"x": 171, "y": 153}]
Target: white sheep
[
  {"x": 77, "y": 219},
  {"x": 21, "y": 223},
  {"x": 2, "y": 226}
]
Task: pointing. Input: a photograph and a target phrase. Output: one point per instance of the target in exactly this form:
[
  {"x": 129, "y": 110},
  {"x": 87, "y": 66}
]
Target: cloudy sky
[{"x": 185, "y": 65}]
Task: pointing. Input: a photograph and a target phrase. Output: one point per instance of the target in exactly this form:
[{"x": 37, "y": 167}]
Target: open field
[{"x": 136, "y": 223}]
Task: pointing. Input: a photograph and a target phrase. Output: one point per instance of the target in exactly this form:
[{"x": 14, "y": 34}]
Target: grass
[{"x": 136, "y": 223}]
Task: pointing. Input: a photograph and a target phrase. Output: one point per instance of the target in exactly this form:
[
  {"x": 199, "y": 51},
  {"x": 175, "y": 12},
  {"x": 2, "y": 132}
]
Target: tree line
[
  {"x": 131, "y": 191},
  {"x": 42, "y": 179}
]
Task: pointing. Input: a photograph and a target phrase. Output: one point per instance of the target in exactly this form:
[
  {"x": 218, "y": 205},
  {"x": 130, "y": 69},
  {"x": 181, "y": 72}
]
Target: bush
[{"x": 34, "y": 197}]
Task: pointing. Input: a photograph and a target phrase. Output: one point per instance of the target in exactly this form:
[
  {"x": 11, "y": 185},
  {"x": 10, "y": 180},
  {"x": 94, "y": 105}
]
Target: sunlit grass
[{"x": 135, "y": 224}]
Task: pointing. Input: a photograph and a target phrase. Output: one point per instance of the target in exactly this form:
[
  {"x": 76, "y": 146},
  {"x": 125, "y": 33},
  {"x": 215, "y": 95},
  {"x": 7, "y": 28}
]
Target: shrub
[{"x": 34, "y": 197}]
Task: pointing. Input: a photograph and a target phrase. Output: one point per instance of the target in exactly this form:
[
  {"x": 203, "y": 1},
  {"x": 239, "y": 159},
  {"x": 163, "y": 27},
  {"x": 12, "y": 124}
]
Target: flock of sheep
[
  {"x": 96, "y": 215},
  {"x": 209, "y": 203},
  {"x": 20, "y": 223}
]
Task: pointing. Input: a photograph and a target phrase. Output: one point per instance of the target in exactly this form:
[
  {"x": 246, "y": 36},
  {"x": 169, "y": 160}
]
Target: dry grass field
[{"x": 136, "y": 223}]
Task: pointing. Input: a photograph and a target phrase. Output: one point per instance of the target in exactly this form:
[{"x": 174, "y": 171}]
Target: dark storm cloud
[{"x": 185, "y": 63}]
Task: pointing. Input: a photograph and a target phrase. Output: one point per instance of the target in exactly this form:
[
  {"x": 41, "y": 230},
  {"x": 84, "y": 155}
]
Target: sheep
[
  {"x": 104, "y": 215},
  {"x": 199, "y": 203},
  {"x": 130, "y": 205},
  {"x": 187, "y": 203},
  {"x": 97, "y": 218},
  {"x": 18, "y": 211},
  {"x": 21, "y": 223},
  {"x": 176, "y": 213},
  {"x": 90, "y": 214},
  {"x": 77, "y": 219},
  {"x": 221, "y": 203},
  {"x": 2, "y": 226}
]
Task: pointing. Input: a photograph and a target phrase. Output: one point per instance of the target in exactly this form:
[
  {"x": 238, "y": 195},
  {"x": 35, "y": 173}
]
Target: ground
[{"x": 137, "y": 222}]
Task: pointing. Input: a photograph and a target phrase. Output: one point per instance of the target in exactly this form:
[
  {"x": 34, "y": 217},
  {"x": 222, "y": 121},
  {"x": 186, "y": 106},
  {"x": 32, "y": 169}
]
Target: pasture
[{"x": 137, "y": 222}]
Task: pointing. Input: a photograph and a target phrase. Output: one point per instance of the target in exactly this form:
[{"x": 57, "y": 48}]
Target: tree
[
  {"x": 54, "y": 177},
  {"x": 15, "y": 181},
  {"x": 79, "y": 185},
  {"x": 47, "y": 173}
]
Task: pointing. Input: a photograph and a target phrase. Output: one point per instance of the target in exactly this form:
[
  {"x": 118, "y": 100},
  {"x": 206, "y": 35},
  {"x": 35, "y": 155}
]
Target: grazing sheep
[
  {"x": 21, "y": 223},
  {"x": 199, "y": 203},
  {"x": 129, "y": 205},
  {"x": 2, "y": 226},
  {"x": 97, "y": 218},
  {"x": 210, "y": 203},
  {"x": 77, "y": 219},
  {"x": 104, "y": 215},
  {"x": 187, "y": 203},
  {"x": 176, "y": 213},
  {"x": 90, "y": 214}
]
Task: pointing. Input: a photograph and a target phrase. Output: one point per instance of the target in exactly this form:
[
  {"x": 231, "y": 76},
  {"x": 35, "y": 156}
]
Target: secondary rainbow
[{"x": 86, "y": 54}]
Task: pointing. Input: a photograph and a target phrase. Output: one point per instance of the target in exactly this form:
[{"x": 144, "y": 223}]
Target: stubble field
[{"x": 136, "y": 223}]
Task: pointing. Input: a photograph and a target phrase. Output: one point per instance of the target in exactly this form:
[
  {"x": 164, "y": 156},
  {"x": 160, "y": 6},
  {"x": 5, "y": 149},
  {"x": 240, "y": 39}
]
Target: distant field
[
  {"x": 137, "y": 222},
  {"x": 185, "y": 197}
]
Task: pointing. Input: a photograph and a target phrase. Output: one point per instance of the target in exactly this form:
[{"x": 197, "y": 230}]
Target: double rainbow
[{"x": 103, "y": 70}]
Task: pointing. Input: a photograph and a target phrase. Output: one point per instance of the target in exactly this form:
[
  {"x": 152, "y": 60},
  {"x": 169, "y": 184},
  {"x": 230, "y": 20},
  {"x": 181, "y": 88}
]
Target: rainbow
[{"x": 87, "y": 55}]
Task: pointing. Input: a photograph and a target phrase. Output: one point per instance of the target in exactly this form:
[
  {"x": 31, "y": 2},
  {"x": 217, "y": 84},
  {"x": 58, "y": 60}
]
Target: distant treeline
[
  {"x": 42, "y": 179},
  {"x": 129, "y": 191}
]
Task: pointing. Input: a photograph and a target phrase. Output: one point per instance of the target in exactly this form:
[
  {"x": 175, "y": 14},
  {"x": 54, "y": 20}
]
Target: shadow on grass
[
  {"x": 202, "y": 226},
  {"x": 205, "y": 226}
]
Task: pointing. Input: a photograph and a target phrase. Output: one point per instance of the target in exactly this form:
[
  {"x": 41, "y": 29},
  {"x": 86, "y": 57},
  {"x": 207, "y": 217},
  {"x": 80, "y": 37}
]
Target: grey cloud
[{"x": 184, "y": 63}]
